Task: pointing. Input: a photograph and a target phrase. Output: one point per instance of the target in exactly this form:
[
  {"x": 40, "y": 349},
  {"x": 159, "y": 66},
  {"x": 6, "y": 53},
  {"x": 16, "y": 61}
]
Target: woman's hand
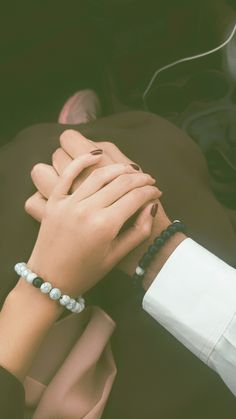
[
  {"x": 79, "y": 239},
  {"x": 45, "y": 177}
]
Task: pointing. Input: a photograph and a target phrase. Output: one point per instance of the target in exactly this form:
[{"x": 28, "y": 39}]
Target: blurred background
[{"x": 50, "y": 49}]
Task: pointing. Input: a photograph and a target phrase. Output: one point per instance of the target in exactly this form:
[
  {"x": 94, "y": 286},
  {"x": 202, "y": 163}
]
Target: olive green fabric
[{"x": 157, "y": 377}]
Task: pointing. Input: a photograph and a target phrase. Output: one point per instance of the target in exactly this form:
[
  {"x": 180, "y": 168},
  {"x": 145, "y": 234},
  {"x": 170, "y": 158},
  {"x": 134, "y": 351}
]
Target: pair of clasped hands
[
  {"x": 82, "y": 201},
  {"x": 97, "y": 210}
]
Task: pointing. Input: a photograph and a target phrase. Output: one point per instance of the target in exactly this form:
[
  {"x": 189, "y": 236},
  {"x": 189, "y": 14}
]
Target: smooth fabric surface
[
  {"x": 194, "y": 298},
  {"x": 70, "y": 377},
  {"x": 12, "y": 397},
  {"x": 74, "y": 368},
  {"x": 157, "y": 377}
]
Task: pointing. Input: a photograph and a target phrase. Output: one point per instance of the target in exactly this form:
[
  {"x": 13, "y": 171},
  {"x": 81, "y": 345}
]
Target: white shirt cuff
[{"x": 193, "y": 297}]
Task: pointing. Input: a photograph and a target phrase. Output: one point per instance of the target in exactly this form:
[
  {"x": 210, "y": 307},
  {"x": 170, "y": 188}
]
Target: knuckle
[
  {"x": 141, "y": 179},
  {"x": 138, "y": 192},
  {"x": 35, "y": 169},
  {"x": 100, "y": 173},
  {"x": 127, "y": 179},
  {"x": 144, "y": 192},
  {"x": 96, "y": 172},
  {"x": 154, "y": 191},
  {"x": 68, "y": 133},
  {"x": 99, "y": 222},
  {"x": 56, "y": 154},
  {"x": 124, "y": 168},
  {"x": 106, "y": 144},
  {"x": 99, "y": 144},
  {"x": 29, "y": 204},
  {"x": 146, "y": 230},
  {"x": 149, "y": 190}
]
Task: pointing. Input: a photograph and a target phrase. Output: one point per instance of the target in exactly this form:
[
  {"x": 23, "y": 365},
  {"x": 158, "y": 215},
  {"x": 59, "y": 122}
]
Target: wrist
[
  {"x": 57, "y": 272},
  {"x": 28, "y": 298},
  {"x": 25, "y": 320},
  {"x": 160, "y": 259}
]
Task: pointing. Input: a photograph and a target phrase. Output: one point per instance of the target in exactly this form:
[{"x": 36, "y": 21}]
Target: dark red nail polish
[
  {"x": 96, "y": 151},
  {"x": 154, "y": 210},
  {"x": 135, "y": 166}
]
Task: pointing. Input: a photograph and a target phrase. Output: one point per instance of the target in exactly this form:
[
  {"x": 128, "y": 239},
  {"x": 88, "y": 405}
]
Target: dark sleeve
[{"x": 12, "y": 396}]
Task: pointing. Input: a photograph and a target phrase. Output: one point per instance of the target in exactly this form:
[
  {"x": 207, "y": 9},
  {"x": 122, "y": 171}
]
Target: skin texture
[
  {"x": 79, "y": 241},
  {"x": 90, "y": 220},
  {"x": 45, "y": 177}
]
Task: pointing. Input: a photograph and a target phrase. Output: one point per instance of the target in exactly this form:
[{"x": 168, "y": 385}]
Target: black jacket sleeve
[{"x": 12, "y": 396}]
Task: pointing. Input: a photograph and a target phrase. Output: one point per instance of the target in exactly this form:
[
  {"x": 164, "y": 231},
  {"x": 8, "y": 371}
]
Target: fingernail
[
  {"x": 135, "y": 166},
  {"x": 96, "y": 151},
  {"x": 154, "y": 210}
]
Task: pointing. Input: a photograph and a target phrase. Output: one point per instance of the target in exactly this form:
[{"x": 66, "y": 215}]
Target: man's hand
[{"x": 45, "y": 177}]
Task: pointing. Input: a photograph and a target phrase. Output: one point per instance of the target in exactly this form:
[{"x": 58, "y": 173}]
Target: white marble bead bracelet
[{"x": 74, "y": 305}]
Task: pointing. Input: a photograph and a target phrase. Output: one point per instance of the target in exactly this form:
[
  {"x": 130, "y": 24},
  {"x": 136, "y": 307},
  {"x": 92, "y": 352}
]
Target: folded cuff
[{"x": 193, "y": 297}]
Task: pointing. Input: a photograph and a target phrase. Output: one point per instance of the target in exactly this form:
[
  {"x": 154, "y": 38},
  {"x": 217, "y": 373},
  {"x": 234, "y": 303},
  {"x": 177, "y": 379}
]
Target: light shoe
[{"x": 84, "y": 106}]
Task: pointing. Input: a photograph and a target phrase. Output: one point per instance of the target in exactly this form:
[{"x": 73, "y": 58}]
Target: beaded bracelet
[
  {"x": 176, "y": 226},
  {"x": 75, "y": 305}
]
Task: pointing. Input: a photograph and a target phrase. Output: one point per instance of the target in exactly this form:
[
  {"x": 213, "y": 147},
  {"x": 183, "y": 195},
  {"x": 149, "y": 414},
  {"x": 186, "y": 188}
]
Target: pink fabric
[
  {"x": 72, "y": 376},
  {"x": 84, "y": 106}
]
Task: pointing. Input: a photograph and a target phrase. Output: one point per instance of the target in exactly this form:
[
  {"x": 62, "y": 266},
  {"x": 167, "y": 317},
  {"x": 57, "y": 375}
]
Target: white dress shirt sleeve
[{"x": 194, "y": 298}]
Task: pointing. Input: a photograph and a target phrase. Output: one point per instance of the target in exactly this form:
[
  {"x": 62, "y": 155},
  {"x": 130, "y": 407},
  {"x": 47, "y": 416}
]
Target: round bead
[
  {"x": 72, "y": 303},
  {"x": 172, "y": 228},
  {"x": 82, "y": 304},
  {"x": 158, "y": 241},
  {"x": 64, "y": 300},
  {"x": 145, "y": 261},
  {"x": 180, "y": 227},
  {"x": 30, "y": 277},
  {"x": 25, "y": 272},
  {"x": 18, "y": 267},
  {"x": 22, "y": 268},
  {"x": 37, "y": 282},
  {"x": 152, "y": 249},
  {"x": 139, "y": 271},
  {"x": 78, "y": 308},
  {"x": 80, "y": 300},
  {"x": 46, "y": 287},
  {"x": 165, "y": 234},
  {"x": 55, "y": 294}
]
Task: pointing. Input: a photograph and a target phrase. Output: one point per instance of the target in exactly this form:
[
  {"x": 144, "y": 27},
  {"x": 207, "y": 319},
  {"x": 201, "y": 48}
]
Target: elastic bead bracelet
[
  {"x": 74, "y": 305},
  {"x": 154, "y": 248}
]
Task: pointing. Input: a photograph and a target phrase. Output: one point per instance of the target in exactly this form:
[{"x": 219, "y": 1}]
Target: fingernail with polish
[
  {"x": 135, "y": 166},
  {"x": 154, "y": 210},
  {"x": 96, "y": 151}
]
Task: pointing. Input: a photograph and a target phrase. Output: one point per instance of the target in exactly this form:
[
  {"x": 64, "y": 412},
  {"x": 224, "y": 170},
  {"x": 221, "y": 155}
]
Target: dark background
[{"x": 50, "y": 49}]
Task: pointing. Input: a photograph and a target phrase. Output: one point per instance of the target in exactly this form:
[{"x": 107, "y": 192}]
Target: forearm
[{"x": 25, "y": 319}]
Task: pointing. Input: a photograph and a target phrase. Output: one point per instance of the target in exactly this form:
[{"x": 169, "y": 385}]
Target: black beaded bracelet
[{"x": 154, "y": 248}]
